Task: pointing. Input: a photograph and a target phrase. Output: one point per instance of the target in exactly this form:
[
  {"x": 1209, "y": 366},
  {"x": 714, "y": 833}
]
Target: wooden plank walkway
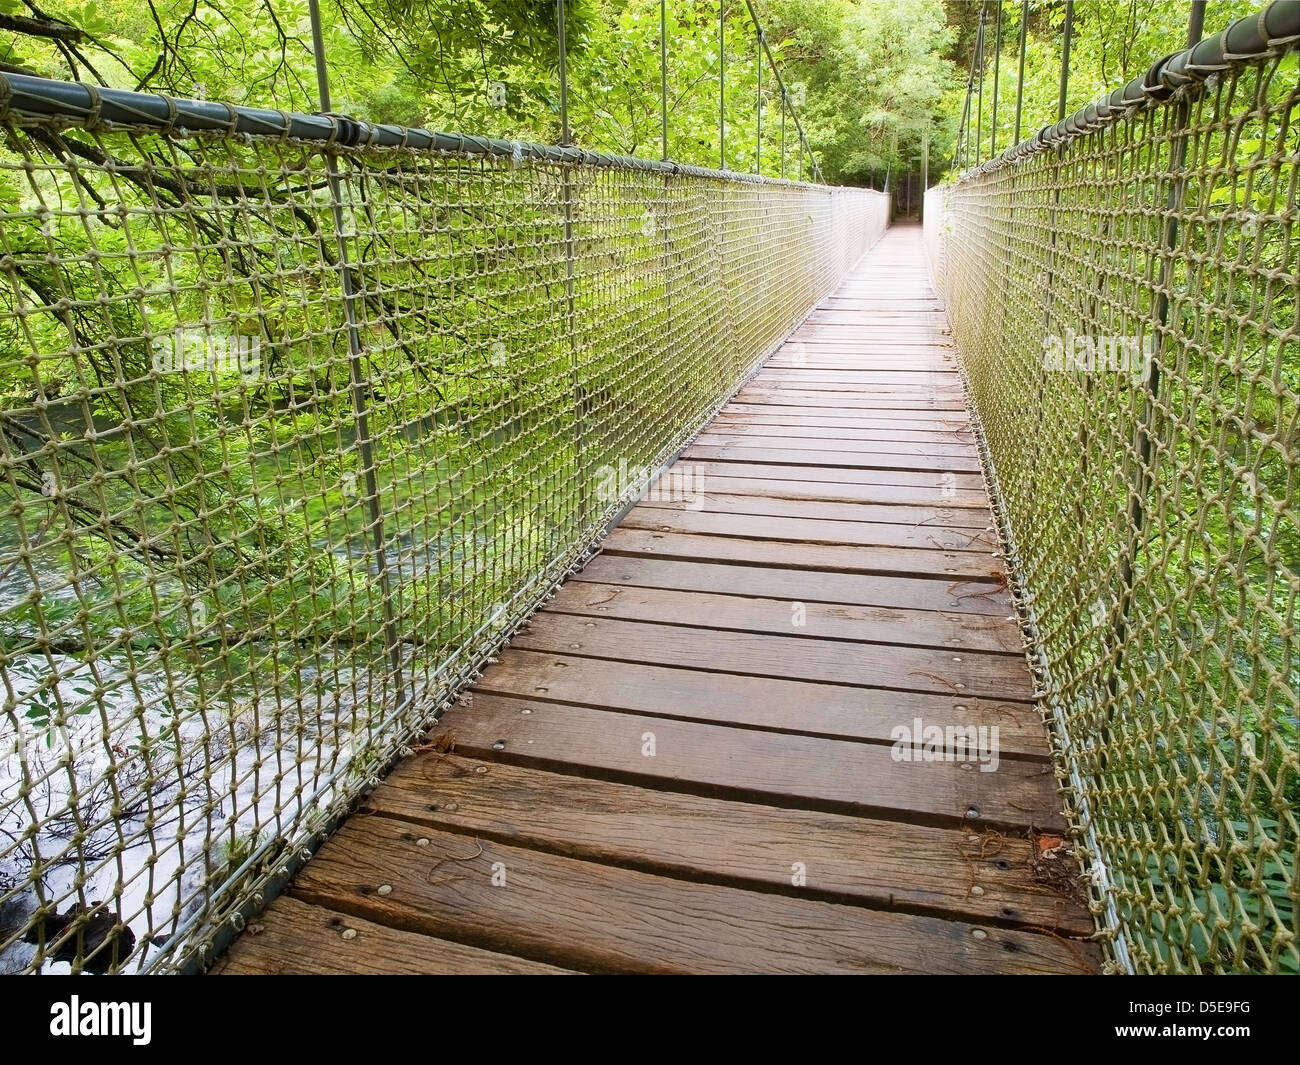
[{"x": 686, "y": 763}]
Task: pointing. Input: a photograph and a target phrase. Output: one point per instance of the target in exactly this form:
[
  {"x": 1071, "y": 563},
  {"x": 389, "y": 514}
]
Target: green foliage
[
  {"x": 1112, "y": 43},
  {"x": 869, "y": 76},
  {"x": 876, "y": 79}
]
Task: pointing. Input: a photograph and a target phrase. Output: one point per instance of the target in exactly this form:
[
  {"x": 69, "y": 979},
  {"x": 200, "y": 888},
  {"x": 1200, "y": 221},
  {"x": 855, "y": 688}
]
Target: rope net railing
[
  {"x": 1123, "y": 291},
  {"x": 301, "y": 417}
]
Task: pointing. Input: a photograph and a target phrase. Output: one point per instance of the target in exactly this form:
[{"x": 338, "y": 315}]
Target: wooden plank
[
  {"x": 831, "y": 415},
  {"x": 847, "y": 397},
  {"x": 298, "y": 938},
  {"x": 796, "y": 657},
  {"x": 884, "y": 864},
  {"x": 971, "y": 524},
  {"x": 806, "y": 530},
  {"x": 808, "y": 360},
  {"x": 859, "y": 377},
  {"x": 918, "y": 320},
  {"x": 920, "y": 329},
  {"x": 824, "y": 558},
  {"x": 860, "y": 397},
  {"x": 795, "y": 446},
  {"x": 896, "y": 341},
  {"x": 804, "y": 586},
  {"x": 860, "y": 380},
  {"x": 807, "y": 355},
  {"x": 888, "y": 344},
  {"x": 903, "y": 332},
  {"x": 897, "y": 310},
  {"x": 863, "y": 395},
  {"x": 819, "y": 371},
  {"x": 856, "y": 416},
  {"x": 784, "y": 482},
  {"x": 787, "y": 397},
  {"x": 839, "y": 459},
  {"x": 970, "y": 485},
  {"x": 911, "y": 304},
  {"x": 866, "y": 366},
  {"x": 783, "y": 421},
  {"x": 895, "y": 346},
  {"x": 911, "y": 327},
  {"x": 911, "y": 628},
  {"x": 882, "y": 406},
  {"x": 597, "y": 918},
  {"x": 781, "y": 768},
  {"x": 751, "y": 425},
  {"x": 864, "y": 369},
  {"x": 794, "y": 470},
  {"x": 891, "y": 344},
  {"x": 809, "y": 708}
]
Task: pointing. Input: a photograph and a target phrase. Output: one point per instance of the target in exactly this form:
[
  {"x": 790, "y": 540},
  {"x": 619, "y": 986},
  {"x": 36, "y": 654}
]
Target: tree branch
[{"x": 50, "y": 28}]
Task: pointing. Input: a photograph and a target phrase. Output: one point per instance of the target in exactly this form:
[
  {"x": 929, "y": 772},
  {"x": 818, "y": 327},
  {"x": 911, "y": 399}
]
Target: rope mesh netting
[
  {"x": 294, "y": 434},
  {"x": 1123, "y": 292}
]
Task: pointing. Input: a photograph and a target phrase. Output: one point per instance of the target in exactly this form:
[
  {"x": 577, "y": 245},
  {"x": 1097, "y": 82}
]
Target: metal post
[
  {"x": 962, "y": 152},
  {"x": 663, "y": 77},
  {"x": 565, "y": 138},
  {"x": 665, "y": 243},
  {"x": 782, "y": 134},
  {"x": 925, "y": 167},
  {"x": 963, "y": 132},
  {"x": 571, "y": 306},
  {"x": 997, "y": 72},
  {"x": 979, "y": 112},
  {"x": 357, "y": 382},
  {"x": 758, "y": 163},
  {"x": 1020, "y": 75},
  {"x": 1065, "y": 59},
  {"x": 722, "y": 84}
]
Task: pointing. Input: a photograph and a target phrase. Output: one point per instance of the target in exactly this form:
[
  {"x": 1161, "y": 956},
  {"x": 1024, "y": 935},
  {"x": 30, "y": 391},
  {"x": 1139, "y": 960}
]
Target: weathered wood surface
[{"x": 686, "y": 762}]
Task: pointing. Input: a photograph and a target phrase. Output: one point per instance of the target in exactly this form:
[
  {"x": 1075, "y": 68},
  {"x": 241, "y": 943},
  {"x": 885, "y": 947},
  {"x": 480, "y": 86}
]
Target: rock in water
[{"x": 98, "y": 937}]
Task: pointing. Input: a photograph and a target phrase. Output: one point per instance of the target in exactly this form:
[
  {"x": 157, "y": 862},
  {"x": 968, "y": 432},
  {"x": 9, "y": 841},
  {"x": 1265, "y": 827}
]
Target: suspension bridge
[{"x": 442, "y": 554}]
